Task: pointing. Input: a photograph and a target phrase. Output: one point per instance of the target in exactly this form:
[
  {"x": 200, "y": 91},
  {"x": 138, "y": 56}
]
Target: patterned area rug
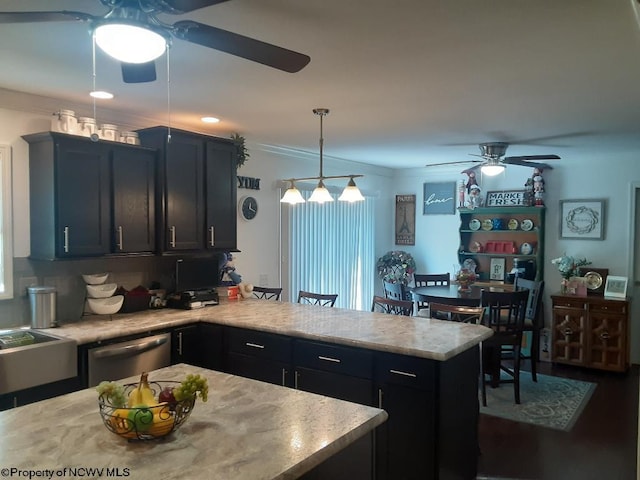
[{"x": 551, "y": 402}]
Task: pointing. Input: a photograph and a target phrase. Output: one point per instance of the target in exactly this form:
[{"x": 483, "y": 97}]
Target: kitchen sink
[{"x": 29, "y": 358}]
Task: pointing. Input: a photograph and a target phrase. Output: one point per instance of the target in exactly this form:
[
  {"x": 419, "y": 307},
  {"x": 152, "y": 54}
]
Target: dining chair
[
  {"x": 456, "y": 313},
  {"x": 391, "y": 306},
  {"x": 429, "y": 280},
  {"x": 267, "y": 293},
  {"x": 533, "y": 320},
  {"x": 504, "y": 313},
  {"x": 395, "y": 291},
  {"x": 322, "y": 299}
]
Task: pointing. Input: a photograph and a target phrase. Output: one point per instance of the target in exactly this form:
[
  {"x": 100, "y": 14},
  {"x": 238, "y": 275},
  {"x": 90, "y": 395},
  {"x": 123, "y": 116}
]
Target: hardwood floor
[{"x": 601, "y": 445}]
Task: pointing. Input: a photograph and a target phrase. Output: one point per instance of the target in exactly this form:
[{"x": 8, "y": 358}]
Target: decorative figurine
[
  {"x": 475, "y": 197},
  {"x": 528, "y": 192},
  {"x": 461, "y": 190},
  {"x": 538, "y": 187}
]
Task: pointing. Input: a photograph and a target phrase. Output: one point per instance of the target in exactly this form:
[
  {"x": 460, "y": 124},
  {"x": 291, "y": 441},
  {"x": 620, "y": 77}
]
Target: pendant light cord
[
  {"x": 93, "y": 63},
  {"x": 168, "y": 96}
]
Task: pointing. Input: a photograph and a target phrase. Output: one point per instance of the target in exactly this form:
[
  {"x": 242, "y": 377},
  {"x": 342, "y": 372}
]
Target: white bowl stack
[{"x": 100, "y": 295}]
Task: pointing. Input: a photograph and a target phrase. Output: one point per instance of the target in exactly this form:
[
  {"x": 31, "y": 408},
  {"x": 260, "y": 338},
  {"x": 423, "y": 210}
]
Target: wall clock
[{"x": 248, "y": 208}]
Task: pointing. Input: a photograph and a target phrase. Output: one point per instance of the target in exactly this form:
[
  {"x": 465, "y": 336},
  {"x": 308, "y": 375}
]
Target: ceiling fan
[
  {"x": 492, "y": 162},
  {"x": 140, "y": 17}
]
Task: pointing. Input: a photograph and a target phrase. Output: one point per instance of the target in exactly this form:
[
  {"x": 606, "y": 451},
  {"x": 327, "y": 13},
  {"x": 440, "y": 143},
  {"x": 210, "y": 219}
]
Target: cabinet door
[
  {"x": 82, "y": 199},
  {"x": 221, "y": 187},
  {"x": 608, "y": 340},
  {"x": 184, "y": 195},
  {"x": 133, "y": 177},
  {"x": 186, "y": 345},
  {"x": 211, "y": 346},
  {"x": 569, "y": 335},
  {"x": 406, "y": 390}
]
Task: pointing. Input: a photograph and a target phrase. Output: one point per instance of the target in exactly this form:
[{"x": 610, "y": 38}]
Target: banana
[
  {"x": 146, "y": 394},
  {"x": 142, "y": 394}
]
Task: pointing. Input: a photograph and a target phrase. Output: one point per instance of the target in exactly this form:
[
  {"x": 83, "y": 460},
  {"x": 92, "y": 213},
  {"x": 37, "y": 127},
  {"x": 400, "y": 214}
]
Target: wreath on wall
[{"x": 396, "y": 266}]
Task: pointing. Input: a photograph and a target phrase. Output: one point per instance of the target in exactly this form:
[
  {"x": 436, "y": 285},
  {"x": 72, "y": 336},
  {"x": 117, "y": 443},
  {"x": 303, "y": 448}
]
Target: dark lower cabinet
[
  {"x": 211, "y": 345},
  {"x": 186, "y": 345},
  {"x": 258, "y": 355},
  {"x": 344, "y": 373},
  {"x": 42, "y": 392}
]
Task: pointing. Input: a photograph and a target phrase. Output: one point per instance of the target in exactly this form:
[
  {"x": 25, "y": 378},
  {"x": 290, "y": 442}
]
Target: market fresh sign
[{"x": 507, "y": 198}]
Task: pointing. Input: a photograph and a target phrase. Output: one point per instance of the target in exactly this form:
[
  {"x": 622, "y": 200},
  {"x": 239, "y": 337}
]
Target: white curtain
[{"x": 331, "y": 250}]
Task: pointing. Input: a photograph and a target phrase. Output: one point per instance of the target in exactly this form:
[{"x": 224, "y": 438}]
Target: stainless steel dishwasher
[{"x": 126, "y": 359}]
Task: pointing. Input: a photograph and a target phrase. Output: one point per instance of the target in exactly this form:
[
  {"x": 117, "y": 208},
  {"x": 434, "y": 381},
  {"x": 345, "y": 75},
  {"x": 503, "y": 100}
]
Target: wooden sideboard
[{"x": 590, "y": 332}]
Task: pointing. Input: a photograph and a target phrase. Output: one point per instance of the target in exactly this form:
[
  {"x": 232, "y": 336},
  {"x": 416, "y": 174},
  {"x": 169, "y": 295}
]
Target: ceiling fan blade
[
  {"x": 138, "y": 72},
  {"x": 184, "y": 6},
  {"x": 532, "y": 157},
  {"x": 241, "y": 46},
  {"x": 454, "y": 163},
  {"x": 524, "y": 163},
  {"x": 33, "y": 17}
]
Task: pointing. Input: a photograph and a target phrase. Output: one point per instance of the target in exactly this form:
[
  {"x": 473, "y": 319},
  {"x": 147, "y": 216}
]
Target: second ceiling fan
[{"x": 493, "y": 163}]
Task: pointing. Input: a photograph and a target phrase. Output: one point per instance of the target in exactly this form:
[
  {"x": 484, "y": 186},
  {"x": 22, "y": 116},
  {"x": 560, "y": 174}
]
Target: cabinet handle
[
  {"x": 295, "y": 380},
  {"x": 329, "y": 359},
  {"x": 172, "y": 242},
  {"x": 66, "y": 240},
  {"x": 567, "y": 331},
  {"x": 380, "y": 398},
  {"x": 119, "y": 237},
  {"x": 180, "y": 343},
  {"x": 212, "y": 236},
  {"x": 284, "y": 377},
  {"x": 604, "y": 335},
  {"x": 406, "y": 374},
  {"x": 254, "y": 345}
]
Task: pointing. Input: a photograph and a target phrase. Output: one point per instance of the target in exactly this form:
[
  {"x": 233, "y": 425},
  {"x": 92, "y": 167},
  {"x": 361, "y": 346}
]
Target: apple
[
  {"x": 166, "y": 395},
  {"x": 141, "y": 417}
]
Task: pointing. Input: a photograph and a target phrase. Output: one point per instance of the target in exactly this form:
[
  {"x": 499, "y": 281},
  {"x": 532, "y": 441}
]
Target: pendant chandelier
[{"x": 351, "y": 193}]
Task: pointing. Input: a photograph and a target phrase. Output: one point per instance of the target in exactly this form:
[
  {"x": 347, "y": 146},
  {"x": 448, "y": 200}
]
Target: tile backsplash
[{"x": 66, "y": 276}]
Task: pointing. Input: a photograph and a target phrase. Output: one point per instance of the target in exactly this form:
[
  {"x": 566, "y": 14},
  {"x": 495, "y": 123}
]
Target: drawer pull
[
  {"x": 567, "y": 331},
  {"x": 329, "y": 359},
  {"x": 406, "y": 374},
  {"x": 254, "y": 345},
  {"x": 604, "y": 336}
]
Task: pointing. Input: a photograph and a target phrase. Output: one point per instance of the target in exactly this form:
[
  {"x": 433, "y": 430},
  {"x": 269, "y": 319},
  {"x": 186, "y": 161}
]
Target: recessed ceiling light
[
  {"x": 210, "y": 119},
  {"x": 101, "y": 94}
]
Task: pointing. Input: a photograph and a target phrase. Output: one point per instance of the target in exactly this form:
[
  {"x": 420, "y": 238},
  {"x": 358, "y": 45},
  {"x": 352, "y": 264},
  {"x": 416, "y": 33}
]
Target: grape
[
  {"x": 192, "y": 385},
  {"x": 112, "y": 392}
]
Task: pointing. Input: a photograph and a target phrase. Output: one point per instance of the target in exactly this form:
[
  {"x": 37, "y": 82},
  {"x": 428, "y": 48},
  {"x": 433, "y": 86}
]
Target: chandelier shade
[{"x": 130, "y": 43}]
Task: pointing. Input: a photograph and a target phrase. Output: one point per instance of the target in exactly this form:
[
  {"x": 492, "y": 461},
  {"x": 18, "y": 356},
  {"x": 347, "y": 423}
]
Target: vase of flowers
[
  {"x": 396, "y": 266},
  {"x": 464, "y": 279},
  {"x": 568, "y": 267}
]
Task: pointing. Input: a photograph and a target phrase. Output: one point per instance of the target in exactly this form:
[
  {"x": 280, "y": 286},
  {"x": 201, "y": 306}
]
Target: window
[
  {"x": 6, "y": 246},
  {"x": 331, "y": 250}
]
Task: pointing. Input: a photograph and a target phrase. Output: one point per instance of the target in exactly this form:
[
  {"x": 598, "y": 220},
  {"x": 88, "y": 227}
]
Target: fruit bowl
[
  {"x": 105, "y": 306},
  {"x": 148, "y": 422},
  {"x": 104, "y": 290},
  {"x": 95, "y": 278}
]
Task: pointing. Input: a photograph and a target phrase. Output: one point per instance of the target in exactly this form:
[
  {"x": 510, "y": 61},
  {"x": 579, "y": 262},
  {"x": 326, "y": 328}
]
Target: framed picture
[
  {"x": 439, "y": 198},
  {"x": 507, "y": 198},
  {"x": 496, "y": 271},
  {"x": 405, "y": 219},
  {"x": 582, "y": 219},
  {"x": 616, "y": 287}
]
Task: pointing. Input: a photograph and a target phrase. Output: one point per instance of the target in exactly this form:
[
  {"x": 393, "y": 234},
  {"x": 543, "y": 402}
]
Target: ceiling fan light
[
  {"x": 130, "y": 43},
  {"x": 292, "y": 196},
  {"x": 321, "y": 194},
  {"x": 492, "y": 170},
  {"x": 351, "y": 193}
]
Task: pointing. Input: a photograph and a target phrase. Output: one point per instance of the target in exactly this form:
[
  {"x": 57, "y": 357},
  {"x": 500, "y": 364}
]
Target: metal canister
[{"x": 42, "y": 301}]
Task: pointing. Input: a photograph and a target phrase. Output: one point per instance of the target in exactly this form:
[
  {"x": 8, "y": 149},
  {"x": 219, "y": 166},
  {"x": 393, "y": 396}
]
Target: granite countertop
[
  {"x": 246, "y": 430},
  {"x": 414, "y": 336}
]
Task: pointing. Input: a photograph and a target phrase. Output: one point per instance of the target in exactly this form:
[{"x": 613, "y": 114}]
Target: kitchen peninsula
[
  {"x": 422, "y": 372},
  {"x": 246, "y": 430}
]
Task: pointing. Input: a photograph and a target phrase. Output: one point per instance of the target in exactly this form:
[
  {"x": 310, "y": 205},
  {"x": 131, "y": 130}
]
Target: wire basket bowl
[{"x": 146, "y": 423}]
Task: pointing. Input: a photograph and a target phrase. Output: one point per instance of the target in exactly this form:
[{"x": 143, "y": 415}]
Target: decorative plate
[
  {"x": 513, "y": 224},
  {"x": 487, "y": 224},
  {"x": 498, "y": 223},
  {"x": 526, "y": 249},
  {"x": 474, "y": 224},
  {"x": 594, "y": 280},
  {"x": 526, "y": 224},
  {"x": 470, "y": 264}
]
